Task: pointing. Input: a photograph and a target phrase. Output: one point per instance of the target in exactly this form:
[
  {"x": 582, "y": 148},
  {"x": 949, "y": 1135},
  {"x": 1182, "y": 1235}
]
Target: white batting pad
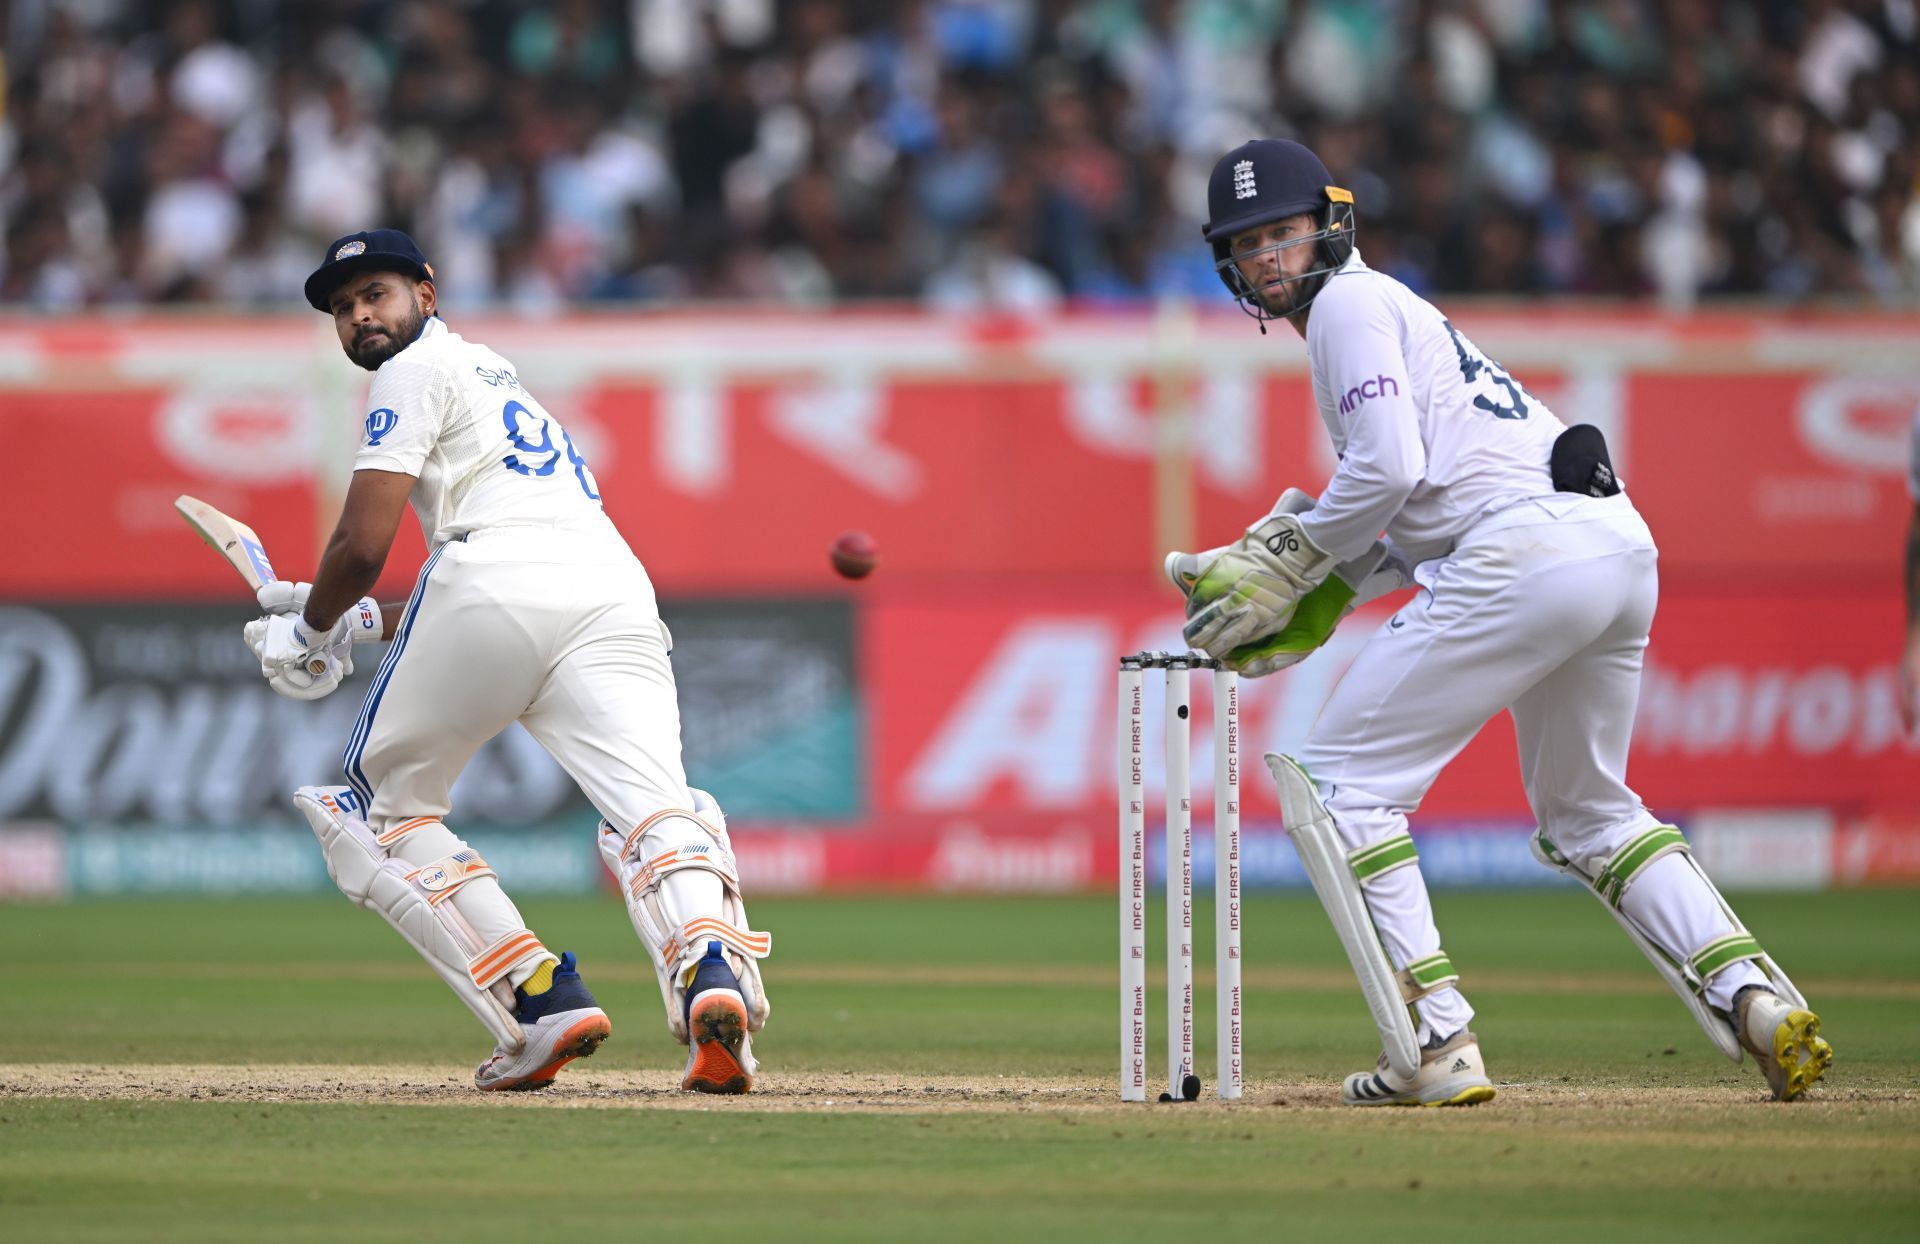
[
  {"x": 413, "y": 900},
  {"x": 1684, "y": 977},
  {"x": 682, "y": 888},
  {"x": 1325, "y": 858}
]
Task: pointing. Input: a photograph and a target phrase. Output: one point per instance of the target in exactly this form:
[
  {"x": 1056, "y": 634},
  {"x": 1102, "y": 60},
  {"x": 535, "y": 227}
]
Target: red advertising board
[
  {"x": 1002, "y": 705},
  {"x": 731, "y": 450},
  {"x": 1788, "y": 476},
  {"x": 1023, "y": 480}
]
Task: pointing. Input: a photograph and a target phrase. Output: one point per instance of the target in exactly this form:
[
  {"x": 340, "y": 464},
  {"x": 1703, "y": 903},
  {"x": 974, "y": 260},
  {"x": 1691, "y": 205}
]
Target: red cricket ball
[{"x": 854, "y": 554}]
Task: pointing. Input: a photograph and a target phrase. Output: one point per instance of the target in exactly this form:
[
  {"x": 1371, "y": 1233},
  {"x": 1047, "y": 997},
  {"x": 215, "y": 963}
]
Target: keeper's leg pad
[
  {"x": 1687, "y": 977},
  {"x": 676, "y": 912},
  {"x": 413, "y": 899},
  {"x": 1339, "y": 877}
]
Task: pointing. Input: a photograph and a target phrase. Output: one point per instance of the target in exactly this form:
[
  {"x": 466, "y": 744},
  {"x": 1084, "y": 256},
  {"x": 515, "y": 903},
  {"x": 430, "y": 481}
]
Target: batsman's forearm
[{"x": 346, "y": 574}]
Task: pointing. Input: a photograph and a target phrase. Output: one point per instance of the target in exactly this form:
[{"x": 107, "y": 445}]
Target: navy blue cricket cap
[{"x": 387, "y": 250}]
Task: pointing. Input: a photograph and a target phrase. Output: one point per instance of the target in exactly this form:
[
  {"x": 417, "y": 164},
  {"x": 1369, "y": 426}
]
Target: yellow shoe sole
[{"x": 1800, "y": 1055}]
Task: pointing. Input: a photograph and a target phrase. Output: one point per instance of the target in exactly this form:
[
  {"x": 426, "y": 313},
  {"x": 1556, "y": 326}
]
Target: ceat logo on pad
[{"x": 355, "y": 247}]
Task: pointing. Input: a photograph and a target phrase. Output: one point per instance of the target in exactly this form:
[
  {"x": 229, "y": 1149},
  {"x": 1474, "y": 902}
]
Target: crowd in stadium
[{"x": 958, "y": 153}]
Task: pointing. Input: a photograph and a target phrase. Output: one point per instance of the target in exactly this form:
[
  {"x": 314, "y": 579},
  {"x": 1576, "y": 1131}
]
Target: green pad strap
[
  {"x": 1382, "y": 857},
  {"x": 1628, "y": 862},
  {"x": 1425, "y": 976},
  {"x": 1554, "y": 855},
  {"x": 1722, "y": 952}
]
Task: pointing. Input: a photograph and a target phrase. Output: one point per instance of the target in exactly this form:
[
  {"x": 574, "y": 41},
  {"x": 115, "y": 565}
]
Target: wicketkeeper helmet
[{"x": 1266, "y": 180}]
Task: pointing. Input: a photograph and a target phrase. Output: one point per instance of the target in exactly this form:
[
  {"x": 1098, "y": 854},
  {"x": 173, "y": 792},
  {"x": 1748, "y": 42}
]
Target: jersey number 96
[{"x": 540, "y": 457}]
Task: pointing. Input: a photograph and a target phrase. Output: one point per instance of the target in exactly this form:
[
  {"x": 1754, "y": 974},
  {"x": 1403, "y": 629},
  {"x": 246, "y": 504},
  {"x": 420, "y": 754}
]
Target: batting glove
[
  {"x": 295, "y": 683},
  {"x": 282, "y": 596},
  {"x": 287, "y": 640}
]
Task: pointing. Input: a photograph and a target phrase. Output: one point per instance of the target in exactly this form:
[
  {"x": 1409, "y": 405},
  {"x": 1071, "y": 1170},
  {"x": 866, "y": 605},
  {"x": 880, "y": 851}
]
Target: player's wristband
[{"x": 365, "y": 618}]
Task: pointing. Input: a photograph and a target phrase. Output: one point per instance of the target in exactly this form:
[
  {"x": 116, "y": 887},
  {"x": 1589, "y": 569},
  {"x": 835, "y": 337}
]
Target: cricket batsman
[
  {"x": 1537, "y": 588},
  {"x": 530, "y": 608}
]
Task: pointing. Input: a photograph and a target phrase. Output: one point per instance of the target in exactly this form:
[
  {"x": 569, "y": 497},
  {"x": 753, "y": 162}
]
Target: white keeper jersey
[
  {"x": 1410, "y": 402},
  {"x": 486, "y": 454}
]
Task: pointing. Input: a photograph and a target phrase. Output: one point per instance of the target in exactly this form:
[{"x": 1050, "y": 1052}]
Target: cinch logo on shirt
[{"x": 1376, "y": 387}]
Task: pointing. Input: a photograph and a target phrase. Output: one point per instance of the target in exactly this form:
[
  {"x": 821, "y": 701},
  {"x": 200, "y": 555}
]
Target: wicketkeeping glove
[
  {"x": 1353, "y": 583},
  {"x": 1251, "y": 587},
  {"x": 1184, "y": 569}
]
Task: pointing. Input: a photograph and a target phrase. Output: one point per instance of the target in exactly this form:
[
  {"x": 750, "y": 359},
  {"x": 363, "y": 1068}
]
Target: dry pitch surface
[{"x": 582, "y": 1087}]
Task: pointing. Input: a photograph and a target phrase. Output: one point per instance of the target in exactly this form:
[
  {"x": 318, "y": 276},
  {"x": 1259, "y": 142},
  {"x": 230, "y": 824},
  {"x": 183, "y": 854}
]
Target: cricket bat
[
  {"x": 238, "y": 543},
  {"x": 230, "y": 538}
]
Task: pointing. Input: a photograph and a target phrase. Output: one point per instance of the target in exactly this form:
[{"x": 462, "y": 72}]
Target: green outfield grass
[{"x": 1620, "y": 1117}]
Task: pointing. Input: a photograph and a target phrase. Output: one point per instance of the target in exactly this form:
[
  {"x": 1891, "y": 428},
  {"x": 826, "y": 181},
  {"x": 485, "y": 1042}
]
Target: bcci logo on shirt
[
  {"x": 379, "y": 423},
  {"x": 1243, "y": 187}
]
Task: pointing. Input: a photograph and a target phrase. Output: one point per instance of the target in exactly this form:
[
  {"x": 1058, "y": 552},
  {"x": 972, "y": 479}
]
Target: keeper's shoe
[
  {"x": 562, "y": 1024},
  {"x": 1784, "y": 1039},
  {"x": 1451, "y": 1074},
  {"x": 716, "y": 1028}
]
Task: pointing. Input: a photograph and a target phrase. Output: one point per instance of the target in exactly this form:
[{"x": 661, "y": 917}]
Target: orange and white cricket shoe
[
  {"x": 716, "y": 1029},
  {"x": 561, "y": 1024}
]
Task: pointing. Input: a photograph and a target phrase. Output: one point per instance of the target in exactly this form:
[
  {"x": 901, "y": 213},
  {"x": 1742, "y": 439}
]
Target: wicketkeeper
[
  {"x": 1537, "y": 589},
  {"x": 531, "y": 608}
]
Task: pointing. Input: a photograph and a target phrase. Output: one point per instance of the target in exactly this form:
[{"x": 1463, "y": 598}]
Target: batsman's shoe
[
  {"x": 1451, "y": 1074},
  {"x": 562, "y": 1023},
  {"x": 1784, "y": 1039},
  {"x": 716, "y": 1028}
]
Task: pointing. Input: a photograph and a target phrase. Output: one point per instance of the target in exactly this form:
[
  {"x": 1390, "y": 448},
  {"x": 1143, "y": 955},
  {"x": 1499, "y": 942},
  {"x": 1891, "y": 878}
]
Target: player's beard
[
  {"x": 391, "y": 343},
  {"x": 1277, "y": 299}
]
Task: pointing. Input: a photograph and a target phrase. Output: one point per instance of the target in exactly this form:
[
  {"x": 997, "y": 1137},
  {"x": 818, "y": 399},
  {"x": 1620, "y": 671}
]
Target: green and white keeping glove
[
  {"x": 1353, "y": 583},
  {"x": 1251, "y": 587},
  {"x": 1184, "y": 569}
]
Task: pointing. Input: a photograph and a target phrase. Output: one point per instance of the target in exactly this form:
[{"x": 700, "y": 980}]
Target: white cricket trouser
[
  {"x": 1543, "y": 609},
  {"x": 556, "y": 628}
]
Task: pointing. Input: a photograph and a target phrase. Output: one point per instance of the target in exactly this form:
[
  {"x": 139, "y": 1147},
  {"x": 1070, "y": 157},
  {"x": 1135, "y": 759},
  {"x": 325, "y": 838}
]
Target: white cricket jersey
[
  {"x": 1432, "y": 434},
  {"x": 486, "y": 454}
]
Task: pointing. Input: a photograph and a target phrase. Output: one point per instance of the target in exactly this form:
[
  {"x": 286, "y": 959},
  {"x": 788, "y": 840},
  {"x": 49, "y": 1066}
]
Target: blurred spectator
[
  {"x": 969, "y": 153},
  {"x": 989, "y": 273}
]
